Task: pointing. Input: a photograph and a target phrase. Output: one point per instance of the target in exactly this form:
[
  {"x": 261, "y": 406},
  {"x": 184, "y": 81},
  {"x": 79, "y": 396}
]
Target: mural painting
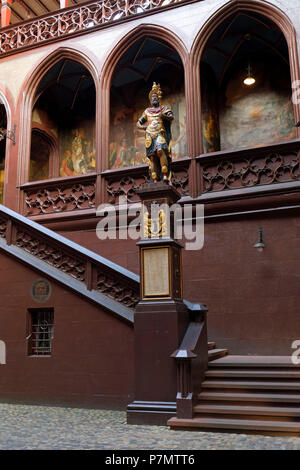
[
  {"x": 127, "y": 143},
  {"x": 263, "y": 112},
  {"x": 77, "y": 150},
  {"x": 210, "y": 112},
  {"x": 1, "y": 179},
  {"x": 75, "y": 146},
  {"x": 39, "y": 157}
]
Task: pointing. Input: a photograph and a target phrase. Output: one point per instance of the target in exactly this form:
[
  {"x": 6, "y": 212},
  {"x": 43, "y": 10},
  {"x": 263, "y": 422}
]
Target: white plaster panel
[{"x": 14, "y": 69}]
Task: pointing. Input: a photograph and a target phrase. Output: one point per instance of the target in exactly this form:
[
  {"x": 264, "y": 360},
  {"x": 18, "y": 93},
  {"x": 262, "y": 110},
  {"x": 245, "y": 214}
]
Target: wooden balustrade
[
  {"x": 81, "y": 264},
  {"x": 247, "y": 169},
  {"x": 75, "y": 20},
  {"x": 59, "y": 195},
  {"x": 220, "y": 175}
]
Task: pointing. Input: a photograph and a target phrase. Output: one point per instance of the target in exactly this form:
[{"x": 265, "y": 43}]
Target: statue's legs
[
  {"x": 163, "y": 163},
  {"x": 154, "y": 167}
]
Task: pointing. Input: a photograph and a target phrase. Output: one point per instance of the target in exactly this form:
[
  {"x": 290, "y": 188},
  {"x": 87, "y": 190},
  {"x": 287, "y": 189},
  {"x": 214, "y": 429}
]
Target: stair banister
[{"x": 191, "y": 359}]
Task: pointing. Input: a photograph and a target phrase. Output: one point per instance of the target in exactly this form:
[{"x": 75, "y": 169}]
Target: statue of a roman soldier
[{"x": 156, "y": 121}]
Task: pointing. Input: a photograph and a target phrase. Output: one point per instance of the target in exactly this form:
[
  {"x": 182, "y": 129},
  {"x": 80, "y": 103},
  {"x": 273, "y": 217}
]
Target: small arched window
[{"x": 43, "y": 156}]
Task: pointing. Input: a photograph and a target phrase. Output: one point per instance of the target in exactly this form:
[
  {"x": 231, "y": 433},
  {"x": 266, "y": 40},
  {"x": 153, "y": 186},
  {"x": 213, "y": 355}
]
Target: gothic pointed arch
[
  {"x": 118, "y": 60},
  {"x": 36, "y": 84},
  {"x": 5, "y": 142},
  {"x": 241, "y": 7}
]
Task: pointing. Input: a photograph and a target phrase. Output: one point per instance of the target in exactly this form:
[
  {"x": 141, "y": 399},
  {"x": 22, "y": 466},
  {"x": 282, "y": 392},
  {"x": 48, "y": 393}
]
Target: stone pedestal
[{"x": 161, "y": 317}]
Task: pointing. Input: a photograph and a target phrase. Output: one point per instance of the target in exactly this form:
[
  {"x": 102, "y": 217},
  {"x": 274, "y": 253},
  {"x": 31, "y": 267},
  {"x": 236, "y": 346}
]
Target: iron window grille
[{"x": 41, "y": 332}]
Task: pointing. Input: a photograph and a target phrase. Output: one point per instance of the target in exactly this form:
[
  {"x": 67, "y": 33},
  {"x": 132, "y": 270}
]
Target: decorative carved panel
[
  {"x": 55, "y": 255},
  {"x": 125, "y": 183},
  {"x": 3, "y": 227},
  {"x": 263, "y": 169},
  {"x": 116, "y": 289},
  {"x": 62, "y": 197},
  {"x": 180, "y": 179}
]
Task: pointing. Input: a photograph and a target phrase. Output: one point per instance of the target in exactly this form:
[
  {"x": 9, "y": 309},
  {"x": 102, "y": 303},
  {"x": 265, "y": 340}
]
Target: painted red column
[
  {"x": 5, "y": 12},
  {"x": 64, "y": 3}
]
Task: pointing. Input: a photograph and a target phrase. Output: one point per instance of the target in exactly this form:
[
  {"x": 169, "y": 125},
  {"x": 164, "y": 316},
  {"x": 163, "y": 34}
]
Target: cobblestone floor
[{"x": 41, "y": 427}]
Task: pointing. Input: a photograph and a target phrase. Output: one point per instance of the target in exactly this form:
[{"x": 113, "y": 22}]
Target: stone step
[
  {"x": 207, "y": 423},
  {"x": 214, "y": 354},
  {"x": 250, "y": 397},
  {"x": 241, "y": 384},
  {"x": 239, "y": 373},
  {"x": 247, "y": 410},
  {"x": 211, "y": 345},
  {"x": 267, "y": 362}
]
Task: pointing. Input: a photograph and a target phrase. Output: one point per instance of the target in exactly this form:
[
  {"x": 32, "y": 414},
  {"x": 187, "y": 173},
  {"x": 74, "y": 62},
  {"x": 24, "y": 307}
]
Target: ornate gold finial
[{"x": 155, "y": 89}]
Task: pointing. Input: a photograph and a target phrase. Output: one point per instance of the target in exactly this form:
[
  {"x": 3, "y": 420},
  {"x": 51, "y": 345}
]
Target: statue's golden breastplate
[{"x": 155, "y": 124}]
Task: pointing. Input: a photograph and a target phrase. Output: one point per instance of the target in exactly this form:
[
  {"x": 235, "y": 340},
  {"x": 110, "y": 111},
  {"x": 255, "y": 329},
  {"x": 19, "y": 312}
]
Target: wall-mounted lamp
[
  {"x": 260, "y": 244},
  {"x": 5, "y": 134},
  {"x": 249, "y": 80}
]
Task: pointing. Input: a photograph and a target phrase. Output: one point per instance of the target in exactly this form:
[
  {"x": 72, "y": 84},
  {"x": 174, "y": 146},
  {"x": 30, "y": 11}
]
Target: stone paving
[{"x": 43, "y": 427}]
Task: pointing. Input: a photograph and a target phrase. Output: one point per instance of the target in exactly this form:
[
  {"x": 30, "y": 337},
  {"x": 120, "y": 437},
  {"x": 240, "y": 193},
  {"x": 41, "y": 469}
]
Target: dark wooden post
[
  {"x": 161, "y": 317},
  {"x": 184, "y": 399}
]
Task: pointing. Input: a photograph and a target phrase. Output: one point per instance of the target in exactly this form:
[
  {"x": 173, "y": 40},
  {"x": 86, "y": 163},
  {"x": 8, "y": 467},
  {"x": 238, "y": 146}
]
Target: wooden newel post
[
  {"x": 161, "y": 317},
  {"x": 184, "y": 396}
]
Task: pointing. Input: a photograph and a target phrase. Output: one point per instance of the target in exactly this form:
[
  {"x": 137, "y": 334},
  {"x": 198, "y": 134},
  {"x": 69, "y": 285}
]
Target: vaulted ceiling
[
  {"x": 22, "y": 10},
  {"x": 244, "y": 35}
]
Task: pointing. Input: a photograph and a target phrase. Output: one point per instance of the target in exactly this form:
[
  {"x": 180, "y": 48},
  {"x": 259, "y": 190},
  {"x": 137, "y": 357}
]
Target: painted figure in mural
[
  {"x": 67, "y": 168},
  {"x": 78, "y": 151},
  {"x": 156, "y": 121},
  {"x": 121, "y": 155}
]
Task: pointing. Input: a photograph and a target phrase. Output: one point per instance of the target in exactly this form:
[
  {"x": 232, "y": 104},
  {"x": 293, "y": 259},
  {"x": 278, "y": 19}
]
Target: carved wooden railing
[
  {"x": 250, "y": 168},
  {"x": 60, "y": 195},
  {"x": 79, "y": 193},
  {"x": 220, "y": 174},
  {"x": 81, "y": 264},
  {"x": 191, "y": 360},
  {"x": 125, "y": 182},
  {"x": 75, "y": 20}
]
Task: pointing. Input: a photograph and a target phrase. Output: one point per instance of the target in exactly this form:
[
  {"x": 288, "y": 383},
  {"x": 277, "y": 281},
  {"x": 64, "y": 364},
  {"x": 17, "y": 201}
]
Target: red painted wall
[
  {"x": 252, "y": 297},
  {"x": 92, "y": 358}
]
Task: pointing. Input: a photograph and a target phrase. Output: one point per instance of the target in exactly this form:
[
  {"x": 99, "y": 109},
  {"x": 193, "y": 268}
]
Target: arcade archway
[{"x": 63, "y": 122}]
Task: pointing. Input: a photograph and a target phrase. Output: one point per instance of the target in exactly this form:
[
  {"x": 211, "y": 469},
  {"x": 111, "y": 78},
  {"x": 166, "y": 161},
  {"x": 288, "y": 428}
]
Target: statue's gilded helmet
[{"x": 155, "y": 89}]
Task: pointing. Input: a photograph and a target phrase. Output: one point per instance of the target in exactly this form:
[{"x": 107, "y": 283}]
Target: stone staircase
[
  {"x": 248, "y": 394},
  {"x": 214, "y": 353}
]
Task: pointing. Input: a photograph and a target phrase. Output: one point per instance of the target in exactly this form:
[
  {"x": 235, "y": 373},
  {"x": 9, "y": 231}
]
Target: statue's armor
[{"x": 157, "y": 136}]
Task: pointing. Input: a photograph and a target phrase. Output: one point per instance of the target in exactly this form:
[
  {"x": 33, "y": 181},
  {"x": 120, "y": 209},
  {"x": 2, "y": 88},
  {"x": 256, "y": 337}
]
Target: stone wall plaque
[
  {"x": 40, "y": 290},
  {"x": 156, "y": 272}
]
